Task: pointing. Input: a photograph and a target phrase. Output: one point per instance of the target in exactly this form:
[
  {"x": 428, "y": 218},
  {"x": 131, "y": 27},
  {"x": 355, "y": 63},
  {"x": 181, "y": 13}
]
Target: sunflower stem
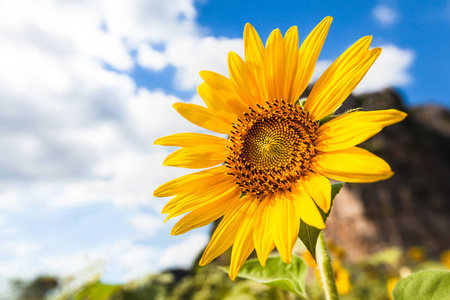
[{"x": 326, "y": 270}]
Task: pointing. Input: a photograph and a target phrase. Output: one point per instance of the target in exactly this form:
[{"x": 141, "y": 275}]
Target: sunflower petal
[
  {"x": 243, "y": 80},
  {"x": 218, "y": 103},
  {"x": 274, "y": 65},
  {"x": 306, "y": 208},
  {"x": 353, "y": 128},
  {"x": 286, "y": 223},
  {"x": 340, "y": 79},
  {"x": 319, "y": 188},
  {"x": 223, "y": 92},
  {"x": 207, "y": 214},
  {"x": 192, "y": 182},
  {"x": 195, "y": 201},
  {"x": 352, "y": 165},
  {"x": 243, "y": 242},
  {"x": 254, "y": 57},
  {"x": 191, "y": 140},
  {"x": 224, "y": 235},
  {"x": 197, "y": 157},
  {"x": 214, "y": 188},
  {"x": 262, "y": 235},
  {"x": 203, "y": 117},
  {"x": 290, "y": 61},
  {"x": 307, "y": 58}
]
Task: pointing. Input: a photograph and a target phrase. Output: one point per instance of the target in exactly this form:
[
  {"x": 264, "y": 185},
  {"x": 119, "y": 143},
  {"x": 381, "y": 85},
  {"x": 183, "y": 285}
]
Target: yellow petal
[
  {"x": 306, "y": 208},
  {"x": 243, "y": 80},
  {"x": 243, "y": 242},
  {"x": 207, "y": 191},
  {"x": 196, "y": 200},
  {"x": 319, "y": 188},
  {"x": 216, "y": 101},
  {"x": 253, "y": 46},
  {"x": 290, "y": 61},
  {"x": 192, "y": 140},
  {"x": 351, "y": 165},
  {"x": 274, "y": 65},
  {"x": 353, "y": 128},
  {"x": 224, "y": 91},
  {"x": 307, "y": 58},
  {"x": 340, "y": 79},
  {"x": 262, "y": 235},
  {"x": 224, "y": 235},
  {"x": 192, "y": 182},
  {"x": 197, "y": 157},
  {"x": 203, "y": 117},
  {"x": 285, "y": 224},
  {"x": 207, "y": 214},
  {"x": 254, "y": 57}
]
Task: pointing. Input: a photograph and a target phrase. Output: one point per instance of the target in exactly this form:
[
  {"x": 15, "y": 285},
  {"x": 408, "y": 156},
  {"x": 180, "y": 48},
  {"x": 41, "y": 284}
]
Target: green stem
[{"x": 326, "y": 270}]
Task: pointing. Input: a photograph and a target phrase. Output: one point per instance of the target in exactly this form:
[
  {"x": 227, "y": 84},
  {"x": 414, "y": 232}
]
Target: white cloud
[
  {"x": 135, "y": 261},
  {"x": 74, "y": 133},
  {"x": 385, "y": 15},
  {"x": 149, "y": 224},
  {"x": 191, "y": 55},
  {"x": 391, "y": 69},
  {"x": 150, "y": 58},
  {"x": 153, "y": 21},
  {"x": 184, "y": 253}
]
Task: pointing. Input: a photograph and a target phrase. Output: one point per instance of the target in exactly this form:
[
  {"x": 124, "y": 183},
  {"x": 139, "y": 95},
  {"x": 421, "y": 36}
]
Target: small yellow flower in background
[
  {"x": 271, "y": 169},
  {"x": 416, "y": 254},
  {"x": 445, "y": 258},
  {"x": 390, "y": 284},
  {"x": 342, "y": 278}
]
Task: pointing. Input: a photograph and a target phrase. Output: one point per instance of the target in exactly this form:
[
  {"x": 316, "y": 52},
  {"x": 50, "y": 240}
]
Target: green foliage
[
  {"x": 428, "y": 284},
  {"x": 290, "y": 277},
  {"x": 309, "y": 234},
  {"x": 97, "y": 291}
]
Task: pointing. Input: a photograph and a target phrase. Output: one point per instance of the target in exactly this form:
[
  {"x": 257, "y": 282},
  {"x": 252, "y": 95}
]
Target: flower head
[{"x": 271, "y": 169}]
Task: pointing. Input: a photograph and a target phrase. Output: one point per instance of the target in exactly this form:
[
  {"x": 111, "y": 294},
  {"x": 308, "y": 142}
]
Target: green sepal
[
  {"x": 331, "y": 117},
  {"x": 326, "y": 119},
  {"x": 302, "y": 102},
  {"x": 309, "y": 234}
]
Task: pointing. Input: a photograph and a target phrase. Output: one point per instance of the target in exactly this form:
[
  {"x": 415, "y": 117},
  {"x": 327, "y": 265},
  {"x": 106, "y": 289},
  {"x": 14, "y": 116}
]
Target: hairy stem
[{"x": 326, "y": 270}]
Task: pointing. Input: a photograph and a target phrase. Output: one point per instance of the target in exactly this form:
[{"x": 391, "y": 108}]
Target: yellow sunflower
[{"x": 270, "y": 169}]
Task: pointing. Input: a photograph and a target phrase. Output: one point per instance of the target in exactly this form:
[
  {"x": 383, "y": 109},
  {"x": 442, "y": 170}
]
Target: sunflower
[{"x": 272, "y": 166}]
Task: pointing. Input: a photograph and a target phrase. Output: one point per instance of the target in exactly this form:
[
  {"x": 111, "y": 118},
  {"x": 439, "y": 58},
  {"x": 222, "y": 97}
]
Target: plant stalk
[{"x": 326, "y": 270}]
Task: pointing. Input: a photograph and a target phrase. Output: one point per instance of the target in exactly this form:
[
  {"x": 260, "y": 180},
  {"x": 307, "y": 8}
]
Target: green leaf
[
  {"x": 290, "y": 277},
  {"x": 428, "y": 284},
  {"x": 309, "y": 234}
]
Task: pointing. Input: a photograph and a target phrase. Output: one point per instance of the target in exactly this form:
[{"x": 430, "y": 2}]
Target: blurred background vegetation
[{"x": 372, "y": 278}]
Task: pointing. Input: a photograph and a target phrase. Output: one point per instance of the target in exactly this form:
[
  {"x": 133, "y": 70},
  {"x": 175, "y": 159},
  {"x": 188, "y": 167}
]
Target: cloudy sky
[{"x": 87, "y": 86}]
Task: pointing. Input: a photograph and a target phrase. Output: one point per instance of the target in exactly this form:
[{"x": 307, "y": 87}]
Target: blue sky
[{"x": 86, "y": 87}]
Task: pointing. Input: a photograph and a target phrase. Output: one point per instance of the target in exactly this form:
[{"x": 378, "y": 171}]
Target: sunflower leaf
[
  {"x": 428, "y": 284},
  {"x": 309, "y": 234},
  {"x": 290, "y": 277}
]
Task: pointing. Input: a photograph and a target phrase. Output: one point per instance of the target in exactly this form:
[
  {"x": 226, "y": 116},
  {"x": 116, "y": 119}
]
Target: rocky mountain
[{"x": 413, "y": 207}]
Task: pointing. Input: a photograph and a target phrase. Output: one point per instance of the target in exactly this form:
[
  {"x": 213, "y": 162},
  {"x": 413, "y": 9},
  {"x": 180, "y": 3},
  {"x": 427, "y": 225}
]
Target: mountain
[{"x": 413, "y": 207}]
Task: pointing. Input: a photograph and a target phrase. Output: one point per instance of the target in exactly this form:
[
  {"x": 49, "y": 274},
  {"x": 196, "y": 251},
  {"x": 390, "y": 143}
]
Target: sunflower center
[{"x": 271, "y": 148}]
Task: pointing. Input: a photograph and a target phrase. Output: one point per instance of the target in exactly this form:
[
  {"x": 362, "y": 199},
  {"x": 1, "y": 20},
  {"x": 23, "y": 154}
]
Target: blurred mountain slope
[{"x": 413, "y": 207}]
